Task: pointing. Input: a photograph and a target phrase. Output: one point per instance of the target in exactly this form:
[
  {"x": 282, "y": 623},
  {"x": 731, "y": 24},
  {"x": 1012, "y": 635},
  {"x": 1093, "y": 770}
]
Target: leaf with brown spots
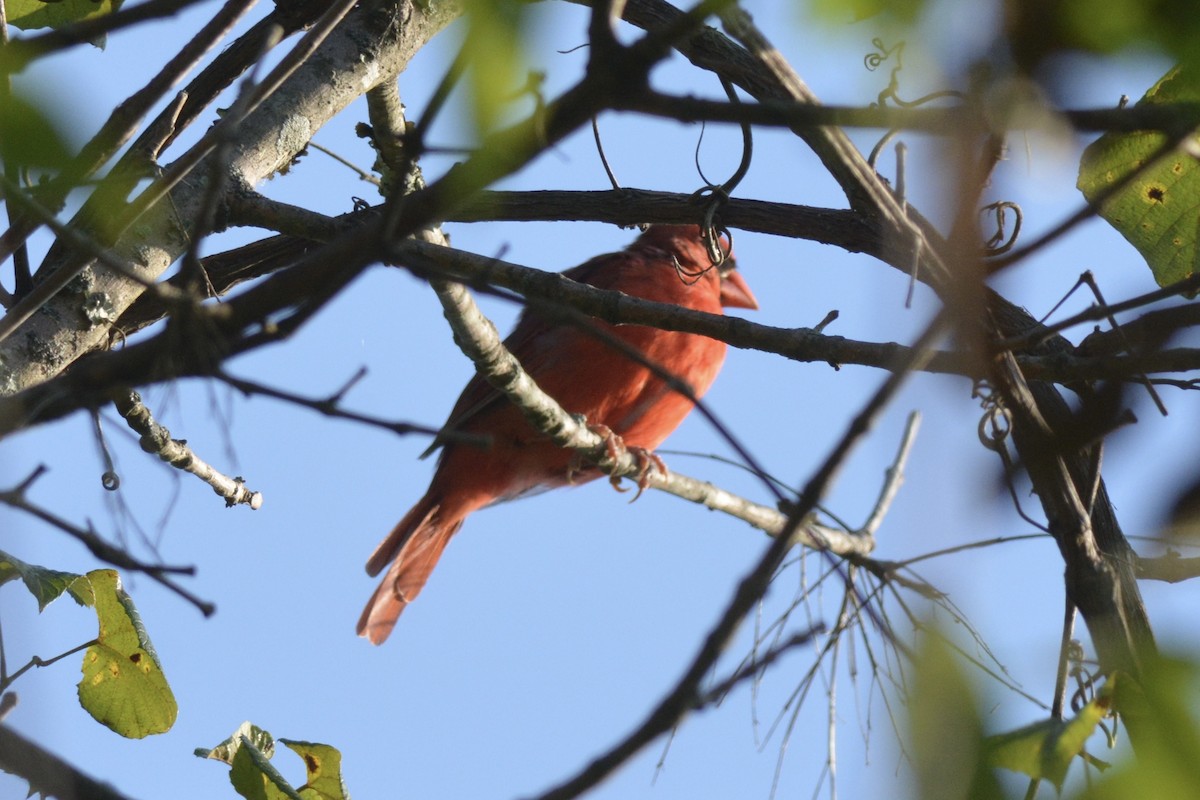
[
  {"x": 324, "y": 767},
  {"x": 249, "y": 752},
  {"x": 1159, "y": 210},
  {"x": 123, "y": 686}
]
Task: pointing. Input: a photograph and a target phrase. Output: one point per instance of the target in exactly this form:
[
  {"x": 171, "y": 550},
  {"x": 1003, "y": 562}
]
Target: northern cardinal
[{"x": 667, "y": 263}]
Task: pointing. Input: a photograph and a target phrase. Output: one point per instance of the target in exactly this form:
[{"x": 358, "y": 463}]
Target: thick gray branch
[{"x": 370, "y": 45}]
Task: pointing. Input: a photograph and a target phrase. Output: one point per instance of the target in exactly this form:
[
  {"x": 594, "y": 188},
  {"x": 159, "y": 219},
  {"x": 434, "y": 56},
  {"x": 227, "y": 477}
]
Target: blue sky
[{"x": 554, "y": 624}]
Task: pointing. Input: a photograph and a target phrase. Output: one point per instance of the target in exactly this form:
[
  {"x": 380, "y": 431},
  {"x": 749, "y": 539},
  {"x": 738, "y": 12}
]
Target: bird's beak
[{"x": 735, "y": 293}]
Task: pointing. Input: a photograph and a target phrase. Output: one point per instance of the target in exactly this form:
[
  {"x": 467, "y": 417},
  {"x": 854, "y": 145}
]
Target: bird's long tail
[{"x": 413, "y": 548}]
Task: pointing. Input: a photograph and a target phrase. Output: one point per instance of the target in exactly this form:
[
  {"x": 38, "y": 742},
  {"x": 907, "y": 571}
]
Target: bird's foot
[
  {"x": 647, "y": 460},
  {"x": 614, "y": 448}
]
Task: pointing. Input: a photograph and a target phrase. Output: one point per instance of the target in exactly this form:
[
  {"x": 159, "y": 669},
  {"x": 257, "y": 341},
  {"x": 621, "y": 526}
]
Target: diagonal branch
[
  {"x": 47, "y": 773},
  {"x": 477, "y": 337},
  {"x": 331, "y": 78}
]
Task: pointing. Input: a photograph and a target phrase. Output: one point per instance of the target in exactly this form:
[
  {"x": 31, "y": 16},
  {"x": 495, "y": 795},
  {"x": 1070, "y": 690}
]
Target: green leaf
[
  {"x": 1037, "y": 30},
  {"x": 255, "y": 778},
  {"x": 28, "y": 137},
  {"x": 227, "y": 749},
  {"x": 1159, "y": 211},
  {"x": 30, "y": 14},
  {"x": 495, "y": 35},
  {"x": 323, "y": 764},
  {"x": 841, "y": 11},
  {"x": 45, "y": 584},
  {"x": 1160, "y": 713},
  {"x": 1044, "y": 750},
  {"x": 947, "y": 729},
  {"x": 123, "y": 686},
  {"x": 248, "y": 752}
]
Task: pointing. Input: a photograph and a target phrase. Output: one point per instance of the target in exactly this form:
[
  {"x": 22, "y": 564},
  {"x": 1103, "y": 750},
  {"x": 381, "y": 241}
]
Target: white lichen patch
[
  {"x": 98, "y": 309},
  {"x": 294, "y": 134}
]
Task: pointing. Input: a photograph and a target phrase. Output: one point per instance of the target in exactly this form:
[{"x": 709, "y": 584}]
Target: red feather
[{"x": 668, "y": 264}]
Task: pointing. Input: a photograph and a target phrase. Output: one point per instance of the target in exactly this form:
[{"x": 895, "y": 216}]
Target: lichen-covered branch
[
  {"x": 156, "y": 440},
  {"x": 375, "y": 40}
]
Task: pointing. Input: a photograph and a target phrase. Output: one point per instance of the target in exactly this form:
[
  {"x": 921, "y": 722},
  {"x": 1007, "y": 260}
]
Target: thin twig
[
  {"x": 156, "y": 439},
  {"x": 331, "y": 407},
  {"x": 359, "y": 171},
  {"x": 717, "y": 692},
  {"x": 35, "y": 661},
  {"x": 101, "y": 549},
  {"x": 894, "y": 477},
  {"x": 1064, "y": 661}
]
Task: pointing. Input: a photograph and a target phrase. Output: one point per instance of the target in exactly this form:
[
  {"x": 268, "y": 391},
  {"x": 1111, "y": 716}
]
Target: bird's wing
[{"x": 533, "y": 346}]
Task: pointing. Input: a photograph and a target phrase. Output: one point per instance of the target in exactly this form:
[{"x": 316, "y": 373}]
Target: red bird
[{"x": 668, "y": 264}]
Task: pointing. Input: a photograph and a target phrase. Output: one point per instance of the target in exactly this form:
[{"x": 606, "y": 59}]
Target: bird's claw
[
  {"x": 614, "y": 448},
  {"x": 647, "y": 460}
]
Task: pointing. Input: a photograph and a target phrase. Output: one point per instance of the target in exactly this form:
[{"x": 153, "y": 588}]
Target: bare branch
[
  {"x": 330, "y": 407},
  {"x": 1172, "y": 568},
  {"x": 945, "y": 121},
  {"x": 101, "y": 549},
  {"x": 156, "y": 440},
  {"x": 717, "y": 692},
  {"x": 895, "y": 477},
  {"x": 47, "y": 773},
  {"x": 1092, "y": 583}
]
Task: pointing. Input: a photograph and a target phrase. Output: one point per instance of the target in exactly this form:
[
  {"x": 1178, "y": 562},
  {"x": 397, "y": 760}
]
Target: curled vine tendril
[
  {"x": 873, "y": 61},
  {"x": 995, "y": 426},
  {"x": 890, "y": 94},
  {"x": 1001, "y": 241},
  {"x": 717, "y": 238},
  {"x": 110, "y": 479}
]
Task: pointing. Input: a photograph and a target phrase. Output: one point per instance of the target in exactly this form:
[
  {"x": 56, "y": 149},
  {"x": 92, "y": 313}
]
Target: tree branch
[
  {"x": 47, "y": 773},
  {"x": 1171, "y": 568},
  {"x": 333, "y": 77},
  {"x": 101, "y": 549},
  {"x": 156, "y": 440}
]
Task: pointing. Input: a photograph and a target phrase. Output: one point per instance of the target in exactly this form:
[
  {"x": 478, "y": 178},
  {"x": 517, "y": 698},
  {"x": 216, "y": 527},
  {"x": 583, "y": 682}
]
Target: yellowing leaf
[
  {"x": 1044, "y": 750},
  {"x": 227, "y": 749},
  {"x": 123, "y": 686},
  {"x": 248, "y": 752},
  {"x": 323, "y": 765},
  {"x": 254, "y": 778}
]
